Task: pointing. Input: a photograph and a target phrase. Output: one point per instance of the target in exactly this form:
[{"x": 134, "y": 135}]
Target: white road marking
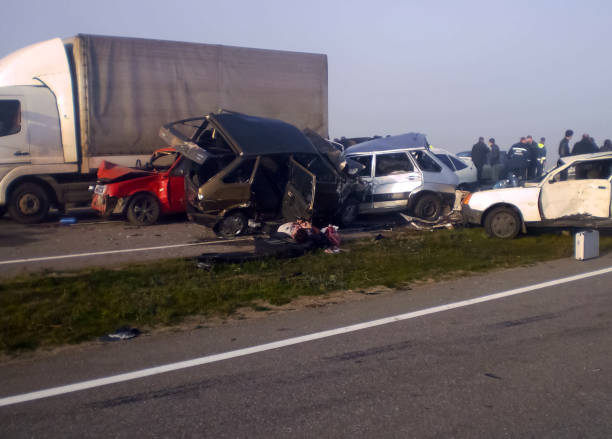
[
  {"x": 55, "y": 391},
  {"x": 111, "y": 252}
]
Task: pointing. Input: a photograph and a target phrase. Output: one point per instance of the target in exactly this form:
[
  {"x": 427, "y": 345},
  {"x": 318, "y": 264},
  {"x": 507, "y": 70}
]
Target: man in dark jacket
[
  {"x": 607, "y": 146},
  {"x": 479, "y": 156},
  {"x": 564, "y": 149},
  {"x": 584, "y": 146},
  {"x": 494, "y": 154},
  {"x": 518, "y": 158},
  {"x": 532, "y": 161}
]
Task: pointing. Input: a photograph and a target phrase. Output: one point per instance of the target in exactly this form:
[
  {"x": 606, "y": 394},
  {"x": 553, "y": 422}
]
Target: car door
[
  {"x": 366, "y": 175},
  {"x": 298, "y": 200},
  {"x": 581, "y": 189},
  {"x": 395, "y": 176},
  {"x": 14, "y": 144}
]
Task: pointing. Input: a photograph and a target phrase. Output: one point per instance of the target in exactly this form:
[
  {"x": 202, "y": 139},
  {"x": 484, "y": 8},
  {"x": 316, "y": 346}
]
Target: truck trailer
[{"x": 68, "y": 104}]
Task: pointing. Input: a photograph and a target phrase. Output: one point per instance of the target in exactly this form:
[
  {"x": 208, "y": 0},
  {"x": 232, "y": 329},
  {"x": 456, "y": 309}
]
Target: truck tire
[
  {"x": 29, "y": 203},
  {"x": 143, "y": 210},
  {"x": 503, "y": 223},
  {"x": 428, "y": 207}
]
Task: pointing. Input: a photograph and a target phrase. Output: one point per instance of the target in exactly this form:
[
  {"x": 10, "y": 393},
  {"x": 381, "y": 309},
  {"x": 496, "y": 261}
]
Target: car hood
[{"x": 109, "y": 172}]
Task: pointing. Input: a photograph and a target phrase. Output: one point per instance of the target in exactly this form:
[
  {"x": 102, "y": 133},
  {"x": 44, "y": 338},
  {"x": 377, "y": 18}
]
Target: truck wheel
[
  {"x": 29, "y": 203},
  {"x": 143, "y": 210},
  {"x": 234, "y": 223},
  {"x": 502, "y": 222},
  {"x": 428, "y": 207}
]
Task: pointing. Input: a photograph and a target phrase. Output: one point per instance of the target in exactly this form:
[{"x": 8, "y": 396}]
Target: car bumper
[
  {"x": 204, "y": 219},
  {"x": 471, "y": 216}
]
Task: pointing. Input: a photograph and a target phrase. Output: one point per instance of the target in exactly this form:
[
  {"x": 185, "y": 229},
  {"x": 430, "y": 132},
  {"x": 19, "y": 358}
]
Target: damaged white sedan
[{"x": 577, "y": 193}]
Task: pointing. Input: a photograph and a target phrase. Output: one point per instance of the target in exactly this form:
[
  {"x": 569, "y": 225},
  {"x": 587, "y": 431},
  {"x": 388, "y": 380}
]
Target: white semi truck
[{"x": 68, "y": 104}]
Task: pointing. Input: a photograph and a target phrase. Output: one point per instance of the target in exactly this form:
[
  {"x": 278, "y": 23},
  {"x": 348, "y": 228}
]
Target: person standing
[
  {"x": 479, "y": 156},
  {"x": 584, "y": 146},
  {"x": 541, "y": 157},
  {"x": 532, "y": 160},
  {"x": 564, "y": 149},
  {"x": 494, "y": 159},
  {"x": 607, "y": 146},
  {"x": 518, "y": 158}
]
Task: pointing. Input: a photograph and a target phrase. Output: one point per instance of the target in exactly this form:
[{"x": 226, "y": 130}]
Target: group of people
[
  {"x": 527, "y": 158},
  {"x": 586, "y": 145}
]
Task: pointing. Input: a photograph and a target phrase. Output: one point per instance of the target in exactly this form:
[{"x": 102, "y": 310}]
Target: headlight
[
  {"x": 200, "y": 197},
  {"x": 100, "y": 189}
]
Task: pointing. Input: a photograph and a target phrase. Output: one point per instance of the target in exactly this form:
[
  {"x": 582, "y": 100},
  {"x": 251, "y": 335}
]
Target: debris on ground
[
  {"x": 67, "y": 221},
  {"x": 291, "y": 240},
  {"x": 446, "y": 222},
  {"x": 123, "y": 333}
]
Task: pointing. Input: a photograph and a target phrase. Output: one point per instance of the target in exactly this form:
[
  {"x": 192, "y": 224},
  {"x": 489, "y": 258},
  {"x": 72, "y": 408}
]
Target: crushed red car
[{"x": 142, "y": 194}]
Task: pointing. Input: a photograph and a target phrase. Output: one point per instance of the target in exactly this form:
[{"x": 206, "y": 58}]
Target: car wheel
[
  {"x": 428, "y": 207},
  {"x": 143, "y": 210},
  {"x": 29, "y": 203},
  {"x": 502, "y": 222},
  {"x": 349, "y": 213},
  {"x": 234, "y": 223}
]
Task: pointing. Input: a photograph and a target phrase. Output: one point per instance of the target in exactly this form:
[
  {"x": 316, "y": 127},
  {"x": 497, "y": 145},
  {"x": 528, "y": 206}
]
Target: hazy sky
[{"x": 454, "y": 70}]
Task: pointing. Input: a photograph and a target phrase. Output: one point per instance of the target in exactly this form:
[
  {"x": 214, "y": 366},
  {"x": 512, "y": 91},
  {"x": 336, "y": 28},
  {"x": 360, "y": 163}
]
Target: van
[{"x": 403, "y": 175}]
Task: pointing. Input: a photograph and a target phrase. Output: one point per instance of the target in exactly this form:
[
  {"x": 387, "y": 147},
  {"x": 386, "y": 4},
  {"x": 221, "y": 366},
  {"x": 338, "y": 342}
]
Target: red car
[{"x": 142, "y": 194}]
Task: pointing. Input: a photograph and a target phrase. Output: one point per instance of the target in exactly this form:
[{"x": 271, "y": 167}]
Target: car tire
[
  {"x": 143, "y": 210},
  {"x": 233, "y": 224},
  {"x": 349, "y": 212},
  {"x": 503, "y": 223},
  {"x": 29, "y": 203},
  {"x": 428, "y": 207}
]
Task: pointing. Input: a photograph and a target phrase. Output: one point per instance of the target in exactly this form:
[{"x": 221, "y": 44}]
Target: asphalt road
[{"x": 537, "y": 364}]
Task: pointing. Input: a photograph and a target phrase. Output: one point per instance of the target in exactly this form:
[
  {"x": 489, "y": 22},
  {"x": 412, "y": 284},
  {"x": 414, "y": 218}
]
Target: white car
[
  {"x": 465, "y": 169},
  {"x": 575, "y": 194}
]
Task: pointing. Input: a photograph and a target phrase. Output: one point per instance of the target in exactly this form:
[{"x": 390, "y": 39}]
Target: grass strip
[{"x": 50, "y": 309}]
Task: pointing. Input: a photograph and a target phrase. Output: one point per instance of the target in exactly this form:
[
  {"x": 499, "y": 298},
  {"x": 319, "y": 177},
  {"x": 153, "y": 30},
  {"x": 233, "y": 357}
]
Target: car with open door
[
  {"x": 142, "y": 193},
  {"x": 577, "y": 193},
  {"x": 252, "y": 168}
]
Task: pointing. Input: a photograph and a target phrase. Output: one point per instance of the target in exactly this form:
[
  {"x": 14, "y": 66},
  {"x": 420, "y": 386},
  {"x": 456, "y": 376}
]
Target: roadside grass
[{"x": 50, "y": 309}]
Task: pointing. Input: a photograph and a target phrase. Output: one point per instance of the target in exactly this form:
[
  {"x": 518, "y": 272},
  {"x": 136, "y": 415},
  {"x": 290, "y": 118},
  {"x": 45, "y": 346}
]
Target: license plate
[{"x": 99, "y": 189}]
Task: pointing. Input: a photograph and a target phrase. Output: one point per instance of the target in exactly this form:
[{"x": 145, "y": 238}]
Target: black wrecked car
[{"x": 253, "y": 168}]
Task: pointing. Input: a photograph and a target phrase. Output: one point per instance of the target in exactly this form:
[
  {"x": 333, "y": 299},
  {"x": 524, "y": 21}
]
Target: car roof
[
  {"x": 254, "y": 135},
  {"x": 596, "y": 155},
  {"x": 390, "y": 143}
]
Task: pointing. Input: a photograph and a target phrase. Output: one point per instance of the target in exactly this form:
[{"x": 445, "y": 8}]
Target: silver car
[{"x": 403, "y": 174}]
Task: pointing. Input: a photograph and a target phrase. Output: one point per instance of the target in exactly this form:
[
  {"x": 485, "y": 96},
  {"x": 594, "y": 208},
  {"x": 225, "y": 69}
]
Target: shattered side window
[
  {"x": 391, "y": 164},
  {"x": 10, "y": 117},
  {"x": 242, "y": 173},
  {"x": 595, "y": 170},
  {"x": 365, "y": 160},
  {"x": 425, "y": 162}
]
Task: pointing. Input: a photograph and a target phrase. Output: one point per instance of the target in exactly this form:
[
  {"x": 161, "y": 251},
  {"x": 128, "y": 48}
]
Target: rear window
[
  {"x": 10, "y": 117},
  {"x": 425, "y": 162},
  {"x": 446, "y": 160},
  {"x": 458, "y": 163}
]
